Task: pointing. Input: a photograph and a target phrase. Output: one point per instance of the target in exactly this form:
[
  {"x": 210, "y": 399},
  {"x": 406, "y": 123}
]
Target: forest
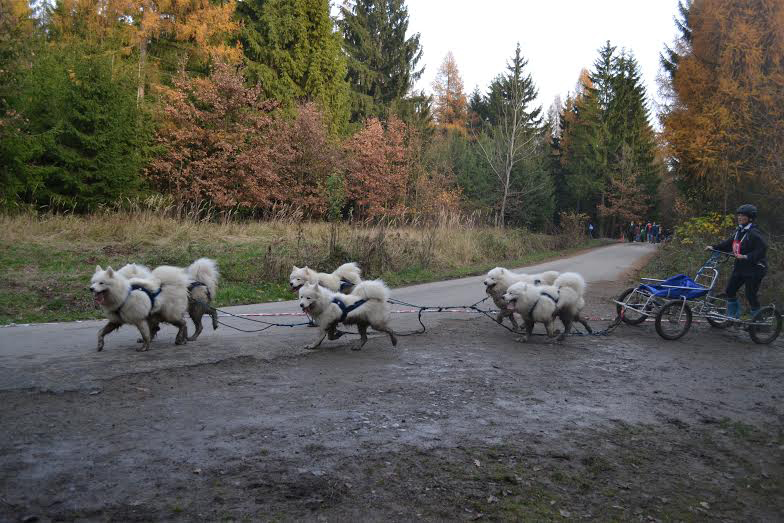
[{"x": 254, "y": 106}]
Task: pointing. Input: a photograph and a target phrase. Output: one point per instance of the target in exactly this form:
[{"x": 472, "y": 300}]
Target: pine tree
[
  {"x": 86, "y": 138},
  {"x": 293, "y": 51},
  {"x": 450, "y": 100},
  {"x": 671, "y": 56},
  {"x": 382, "y": 62}
]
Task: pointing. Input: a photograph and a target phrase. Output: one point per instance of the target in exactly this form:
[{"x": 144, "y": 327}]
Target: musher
[{"x": 750, "y": 250}]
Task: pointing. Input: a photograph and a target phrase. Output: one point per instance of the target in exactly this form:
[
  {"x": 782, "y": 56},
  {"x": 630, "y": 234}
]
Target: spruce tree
[
  {"x": 382, "y": 62},
  {"x": 291, "y": 49},
  {"x": 86, "y": 138},
  {"x": 672, "y": 55}
]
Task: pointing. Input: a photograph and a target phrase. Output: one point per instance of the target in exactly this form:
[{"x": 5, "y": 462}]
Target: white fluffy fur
[
  {"x": 317, "y": 301},
  {"x": 203, "y": 270},
  {"x": 498, "y": 280},
  {"x": 135, "y": 270},
  {"x": 543, "y": 303},
  {"x": 112, "y": 291},
  {"x": 348, "y": 271}
]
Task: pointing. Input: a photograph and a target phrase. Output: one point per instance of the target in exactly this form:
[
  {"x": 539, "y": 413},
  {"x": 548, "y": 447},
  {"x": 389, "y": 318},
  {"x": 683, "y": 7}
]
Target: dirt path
[{"x": 460, "y": 423}]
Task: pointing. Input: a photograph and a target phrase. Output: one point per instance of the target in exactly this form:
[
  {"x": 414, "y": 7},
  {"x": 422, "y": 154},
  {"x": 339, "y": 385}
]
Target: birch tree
[{"x": 514, "y": 133}]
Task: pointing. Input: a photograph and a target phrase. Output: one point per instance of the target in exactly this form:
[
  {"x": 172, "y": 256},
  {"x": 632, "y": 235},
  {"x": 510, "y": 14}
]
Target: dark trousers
[{"x": 752, "y": 283}]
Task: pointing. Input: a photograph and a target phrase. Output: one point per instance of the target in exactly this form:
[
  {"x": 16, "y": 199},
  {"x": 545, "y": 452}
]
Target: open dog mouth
[
  {"x": 99, "y": 297},
  {"x": 510, "y": 305},
  {"x": 295, "y": 288},
  {"x": 489, "y": 286}
]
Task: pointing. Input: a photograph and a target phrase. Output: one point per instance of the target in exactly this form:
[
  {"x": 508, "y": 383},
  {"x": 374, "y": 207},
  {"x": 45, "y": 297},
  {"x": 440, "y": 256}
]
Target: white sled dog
[
  {"x": 365, "y": 306},
  {"x": 203, "y": 277},
  {"x": 139, "y": 301},
  {"x": 201, "y": 291},
  {"x": 497, "y": 282},
  {"x": 342, "y": 280},
  {"x": 564, "y": 299}
]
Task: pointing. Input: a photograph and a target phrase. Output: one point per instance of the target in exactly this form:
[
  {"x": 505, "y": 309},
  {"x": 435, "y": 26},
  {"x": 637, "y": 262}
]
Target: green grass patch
[{"x": 47, "y": 263}]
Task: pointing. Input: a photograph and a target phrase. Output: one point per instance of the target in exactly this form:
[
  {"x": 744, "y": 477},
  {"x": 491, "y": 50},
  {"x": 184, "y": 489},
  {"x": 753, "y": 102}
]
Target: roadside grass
[{"x": 47, "y": 260}]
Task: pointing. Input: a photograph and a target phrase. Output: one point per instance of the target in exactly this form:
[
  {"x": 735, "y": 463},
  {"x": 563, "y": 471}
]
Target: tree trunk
[
  {"x": 142, "y": 64},
  {"x": 503, "y": 203}
]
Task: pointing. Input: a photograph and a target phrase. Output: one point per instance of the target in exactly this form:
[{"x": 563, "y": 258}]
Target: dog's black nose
[{"x": 301, "y": 306}]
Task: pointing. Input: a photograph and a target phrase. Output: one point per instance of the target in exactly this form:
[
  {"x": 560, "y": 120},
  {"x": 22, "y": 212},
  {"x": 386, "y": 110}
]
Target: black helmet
[{"x": 748, "y": 210}]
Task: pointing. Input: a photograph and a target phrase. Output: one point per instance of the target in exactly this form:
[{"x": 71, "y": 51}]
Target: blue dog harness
[
  {"x": 346, "y": 309},
  {"x": 345, "y": 285},
  {"x": 137, "y": 287},
  {"x": 531, "y": 310},
  {"x": 199, "y": 284}
]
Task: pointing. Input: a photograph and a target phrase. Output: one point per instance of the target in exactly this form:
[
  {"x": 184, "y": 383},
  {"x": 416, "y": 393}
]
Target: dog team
[{"x": 136, "y": 295}]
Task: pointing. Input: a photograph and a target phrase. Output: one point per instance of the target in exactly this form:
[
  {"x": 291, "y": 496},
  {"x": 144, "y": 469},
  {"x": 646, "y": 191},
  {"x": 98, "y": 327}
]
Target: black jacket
[{"x": 752, "y": 245}]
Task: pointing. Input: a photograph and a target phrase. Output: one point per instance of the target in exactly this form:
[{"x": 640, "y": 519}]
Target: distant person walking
[
  {"x": 590, "y": 229},
  {"x": 655, "y": 232}
]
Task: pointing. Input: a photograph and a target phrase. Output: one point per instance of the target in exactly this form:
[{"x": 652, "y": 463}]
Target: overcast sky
[{"x": 558, "y": 37}]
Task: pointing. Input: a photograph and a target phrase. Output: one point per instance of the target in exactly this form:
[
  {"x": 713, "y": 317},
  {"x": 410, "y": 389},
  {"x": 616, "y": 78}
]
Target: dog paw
[
  {"x": 356, "y": 347},
  {"x": 143, "y": 349},
  {"x": 309, "y": 347},
  {"x": 182, "y": 341},
  {"x": 522, "y": 339},
  {"x": 192, "y": 338}
]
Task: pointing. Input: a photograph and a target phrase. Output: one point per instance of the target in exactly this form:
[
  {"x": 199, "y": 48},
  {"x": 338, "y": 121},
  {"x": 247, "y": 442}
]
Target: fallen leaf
[
  {"x": 565, "y": 513},
  {"x": 476, "y": 462}
]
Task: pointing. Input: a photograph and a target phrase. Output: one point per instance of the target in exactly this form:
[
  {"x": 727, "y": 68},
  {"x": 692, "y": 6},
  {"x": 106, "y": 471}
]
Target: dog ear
[
  {"x": 109, "y": 272},
  {"x": 294, "y": 268},
  {"x": 98, "y": 268}
]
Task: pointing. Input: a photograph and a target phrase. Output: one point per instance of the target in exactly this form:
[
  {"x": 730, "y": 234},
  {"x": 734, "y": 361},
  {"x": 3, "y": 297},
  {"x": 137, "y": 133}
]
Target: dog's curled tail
[
  {"x": 549, "y": 277},
  {"x": 573, "y": 281},
  {"x": 349, "y": 272},
  {"x": 372, "y": 290},
  {"x": 172, "y": 277},
  {"x": 204, "y": 270},
  {"x": 135, "y": 270}
]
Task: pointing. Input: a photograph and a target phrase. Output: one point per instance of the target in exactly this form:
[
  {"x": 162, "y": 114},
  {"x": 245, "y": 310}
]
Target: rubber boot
[{"x": 733, "y": 309}]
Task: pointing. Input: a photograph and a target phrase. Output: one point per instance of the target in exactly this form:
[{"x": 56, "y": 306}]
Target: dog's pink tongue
[
  {"x": 99, "y": 298},
  {"x": 510, "y": 306}
]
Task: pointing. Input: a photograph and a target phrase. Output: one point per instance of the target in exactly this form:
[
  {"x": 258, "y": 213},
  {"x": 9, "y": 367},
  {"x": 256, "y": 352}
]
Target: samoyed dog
[
  {"x": 204, "y": 275},
  {"x": 365, "y": 306},
  {"x": 142, "y": 302},
  {"x": 342, "y": 280},
  {"x": 497, "y": 282},
  {"x": 543, "y": 303}
]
